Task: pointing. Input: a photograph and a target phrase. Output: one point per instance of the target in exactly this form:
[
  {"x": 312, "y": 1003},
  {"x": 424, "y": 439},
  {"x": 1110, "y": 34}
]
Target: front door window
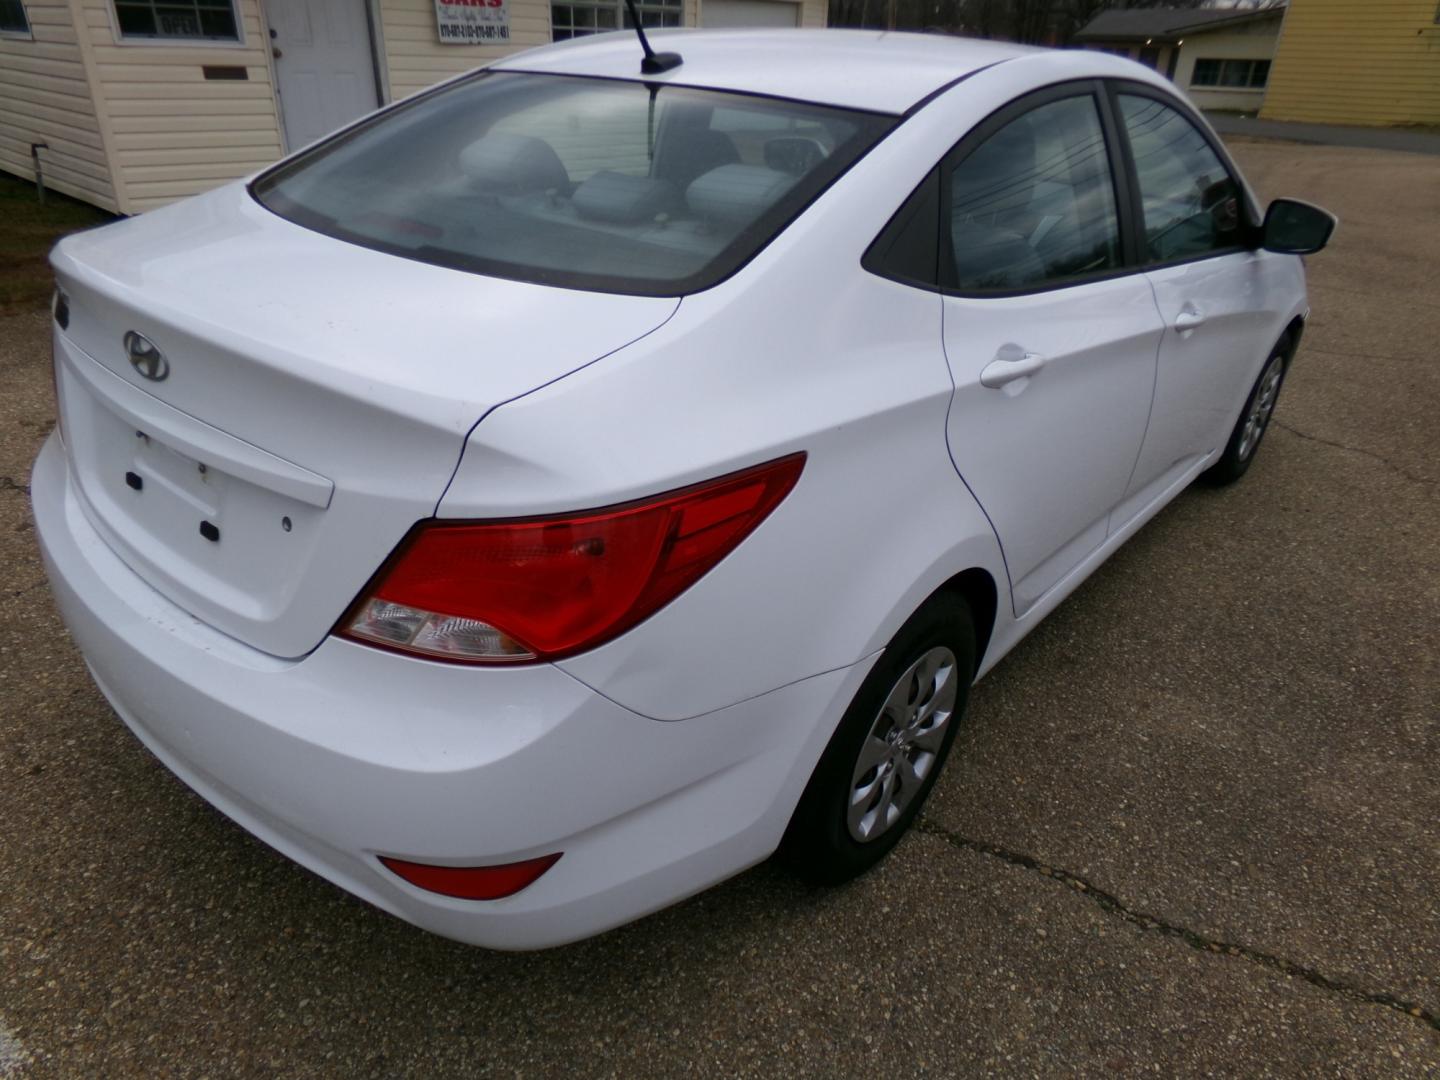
[{"x": 1192, "y": 204}]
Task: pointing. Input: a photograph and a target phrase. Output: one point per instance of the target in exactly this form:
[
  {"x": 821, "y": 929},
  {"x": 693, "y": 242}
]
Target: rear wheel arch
[{"x": 977, "y": 588}]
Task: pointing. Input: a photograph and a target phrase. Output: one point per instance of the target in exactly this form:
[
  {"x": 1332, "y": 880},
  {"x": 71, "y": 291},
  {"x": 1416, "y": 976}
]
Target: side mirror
[{"x": 1293, "y": 227}]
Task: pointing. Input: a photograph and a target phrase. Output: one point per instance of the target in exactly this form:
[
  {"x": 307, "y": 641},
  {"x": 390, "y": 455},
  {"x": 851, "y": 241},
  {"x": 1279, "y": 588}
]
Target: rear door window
[{"x": 1033, "y": 205}]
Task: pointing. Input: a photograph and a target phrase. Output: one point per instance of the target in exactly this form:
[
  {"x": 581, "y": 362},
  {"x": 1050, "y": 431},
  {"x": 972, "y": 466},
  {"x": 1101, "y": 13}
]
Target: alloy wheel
[
  {"x": 903, "y": 745},
  {"x": 1262, "y": 407}
]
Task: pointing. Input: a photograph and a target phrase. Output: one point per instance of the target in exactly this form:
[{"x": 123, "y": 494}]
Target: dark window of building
[
  {"x": 195, "y": 20},
  {"x": 580, "y": 18},
  {"x": 1231, "y": 74},
  {"x": 13, "y": 19}
]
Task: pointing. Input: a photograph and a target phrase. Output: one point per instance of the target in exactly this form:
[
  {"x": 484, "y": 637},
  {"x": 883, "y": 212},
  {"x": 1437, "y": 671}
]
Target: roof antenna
[{"x": 654, "y": 62}]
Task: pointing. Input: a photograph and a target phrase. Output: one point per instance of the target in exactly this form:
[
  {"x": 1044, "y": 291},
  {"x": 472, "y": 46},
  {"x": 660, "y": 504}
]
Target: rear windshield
[{"x": 584, "y": 183}]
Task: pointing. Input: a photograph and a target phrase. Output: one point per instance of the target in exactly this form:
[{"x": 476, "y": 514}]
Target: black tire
[
  {"x": 819, "y": 844},
  {"x": 1240, "y": 450}
]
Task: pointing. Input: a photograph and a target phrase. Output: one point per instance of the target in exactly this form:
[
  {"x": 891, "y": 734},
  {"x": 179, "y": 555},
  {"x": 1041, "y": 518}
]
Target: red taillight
[
  {"x": 548, "y": 587},
  {"x": 472, "y": 882}
]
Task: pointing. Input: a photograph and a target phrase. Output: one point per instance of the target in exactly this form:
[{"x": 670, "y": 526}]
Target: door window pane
[
  {"x": 1192, "y": 204},
  {"x": 1034, "y": 204}
]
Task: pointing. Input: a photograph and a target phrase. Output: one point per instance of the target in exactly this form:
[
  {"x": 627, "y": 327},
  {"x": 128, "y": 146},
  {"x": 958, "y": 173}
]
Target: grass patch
[{"x": 27, "y": 233}]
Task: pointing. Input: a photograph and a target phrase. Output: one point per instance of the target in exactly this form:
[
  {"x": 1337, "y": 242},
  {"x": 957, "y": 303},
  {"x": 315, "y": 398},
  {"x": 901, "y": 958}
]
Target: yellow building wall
[{"x": 1357, "y": 62}]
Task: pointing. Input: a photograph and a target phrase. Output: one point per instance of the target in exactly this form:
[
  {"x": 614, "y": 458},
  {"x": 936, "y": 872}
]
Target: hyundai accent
[{"x": 568, "y": 487}]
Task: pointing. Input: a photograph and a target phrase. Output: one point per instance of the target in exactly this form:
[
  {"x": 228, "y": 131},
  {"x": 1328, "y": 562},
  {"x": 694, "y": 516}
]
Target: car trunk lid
[{"x": 314, "y": 403}]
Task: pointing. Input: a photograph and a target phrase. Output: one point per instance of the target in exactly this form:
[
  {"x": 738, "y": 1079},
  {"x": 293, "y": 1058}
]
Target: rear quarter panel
[{"x": 800, "y": 351}]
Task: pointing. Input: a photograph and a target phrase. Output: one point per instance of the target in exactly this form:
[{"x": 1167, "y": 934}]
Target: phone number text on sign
[{"x": 473, "y": 22}]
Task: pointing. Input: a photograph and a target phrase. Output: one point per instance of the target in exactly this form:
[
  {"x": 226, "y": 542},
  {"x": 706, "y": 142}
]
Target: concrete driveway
[{"x": 1193, "y": 825}]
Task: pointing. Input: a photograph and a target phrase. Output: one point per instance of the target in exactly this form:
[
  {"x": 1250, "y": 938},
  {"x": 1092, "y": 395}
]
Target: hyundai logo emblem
[{"x": 145, "y": 357}]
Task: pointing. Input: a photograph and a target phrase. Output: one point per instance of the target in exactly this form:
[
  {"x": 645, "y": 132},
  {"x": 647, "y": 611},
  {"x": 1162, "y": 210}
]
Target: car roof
[{"x": 856, "y": 69}]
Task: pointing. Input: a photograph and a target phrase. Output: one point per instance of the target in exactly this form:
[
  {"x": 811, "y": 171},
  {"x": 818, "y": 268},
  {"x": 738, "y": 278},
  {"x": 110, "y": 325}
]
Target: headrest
[
  {"x": 513, "y": 164},
  {"x": 794, "y": 154},
  {"x": 737, "y": 194},
  {"x": 622, "y": 199}
]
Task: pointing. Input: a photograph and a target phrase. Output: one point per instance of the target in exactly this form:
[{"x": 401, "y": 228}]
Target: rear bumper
[{"x": 351, "y": 753}]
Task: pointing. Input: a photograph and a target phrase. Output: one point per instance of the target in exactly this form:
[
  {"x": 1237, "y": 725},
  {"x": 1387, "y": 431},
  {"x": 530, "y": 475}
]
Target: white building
[
  {"x": 139, "y": 102},
  {"x": 1220, "y": 56}
]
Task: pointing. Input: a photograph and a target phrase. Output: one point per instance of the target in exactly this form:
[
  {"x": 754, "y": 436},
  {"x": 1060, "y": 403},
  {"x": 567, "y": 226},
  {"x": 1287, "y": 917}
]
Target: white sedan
[{"x": 569, "y": 486}]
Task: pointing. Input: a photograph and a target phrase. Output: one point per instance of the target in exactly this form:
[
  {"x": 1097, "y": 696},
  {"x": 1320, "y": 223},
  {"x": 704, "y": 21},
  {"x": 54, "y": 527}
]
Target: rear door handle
[
  {"x": 1003, "y": 370},
  {"x": 1189, "y": 319}
]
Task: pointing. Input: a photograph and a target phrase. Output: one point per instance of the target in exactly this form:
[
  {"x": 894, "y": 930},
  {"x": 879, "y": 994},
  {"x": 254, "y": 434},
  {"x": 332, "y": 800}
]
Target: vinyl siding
[
  {"x": 1251, "y": 41},
  {"x": 813, "y": 13},
  {"x": 133, "y": 126},
  {"x": 415, "y": 59},
  {"x": 1341, "y": 62},
  {"x": 172, "y": 133},
  {"x": 46, "y": 97}
]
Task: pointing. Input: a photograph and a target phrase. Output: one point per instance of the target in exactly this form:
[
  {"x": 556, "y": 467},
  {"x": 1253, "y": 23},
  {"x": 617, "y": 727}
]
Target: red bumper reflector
[{"x": 472, "y": 882}]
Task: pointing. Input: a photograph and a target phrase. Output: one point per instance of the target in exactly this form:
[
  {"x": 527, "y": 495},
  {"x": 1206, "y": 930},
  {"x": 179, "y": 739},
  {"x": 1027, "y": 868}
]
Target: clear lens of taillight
[
  {"x": 541, "y": 588},
  {"x": 433, "y": 633}
]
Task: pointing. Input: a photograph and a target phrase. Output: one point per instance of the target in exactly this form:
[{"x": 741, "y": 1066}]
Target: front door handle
[
  {"x": 1189, "y": 319},
  {"x": 1003, "y": 369}
]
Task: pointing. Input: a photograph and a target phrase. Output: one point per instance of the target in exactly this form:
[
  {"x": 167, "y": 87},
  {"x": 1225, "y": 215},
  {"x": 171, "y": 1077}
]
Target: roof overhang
[{"x": 1170, "y": 33}]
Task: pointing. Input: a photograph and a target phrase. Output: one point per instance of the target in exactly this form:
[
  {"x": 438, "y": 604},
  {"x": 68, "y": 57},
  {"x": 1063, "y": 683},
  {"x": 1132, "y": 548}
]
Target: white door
[
  {"x": 323, "y": 64},
  {"x": 1051, "y": 343},
  {"x": 1215, "y": 296},
  {"x": 741, "y": 13}
]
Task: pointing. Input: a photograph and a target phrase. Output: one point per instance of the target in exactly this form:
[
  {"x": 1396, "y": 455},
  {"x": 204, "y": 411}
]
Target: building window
[
  {"x": 574, "y": 20},
  {"x": 185, "y": 20},
  {"x": 1231, "y": 74},
  {"x": 13, "y": 19}
]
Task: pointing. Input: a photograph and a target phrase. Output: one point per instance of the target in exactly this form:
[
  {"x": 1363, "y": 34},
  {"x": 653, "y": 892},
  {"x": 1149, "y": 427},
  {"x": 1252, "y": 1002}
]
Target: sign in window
[{"x": 473, "y": 22}]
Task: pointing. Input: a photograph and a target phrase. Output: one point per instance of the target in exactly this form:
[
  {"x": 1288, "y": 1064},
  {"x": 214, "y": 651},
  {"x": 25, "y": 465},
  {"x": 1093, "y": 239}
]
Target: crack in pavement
[
  {"x": 1406, "y": 473},
  {"x": 1112, "y": 905}
]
